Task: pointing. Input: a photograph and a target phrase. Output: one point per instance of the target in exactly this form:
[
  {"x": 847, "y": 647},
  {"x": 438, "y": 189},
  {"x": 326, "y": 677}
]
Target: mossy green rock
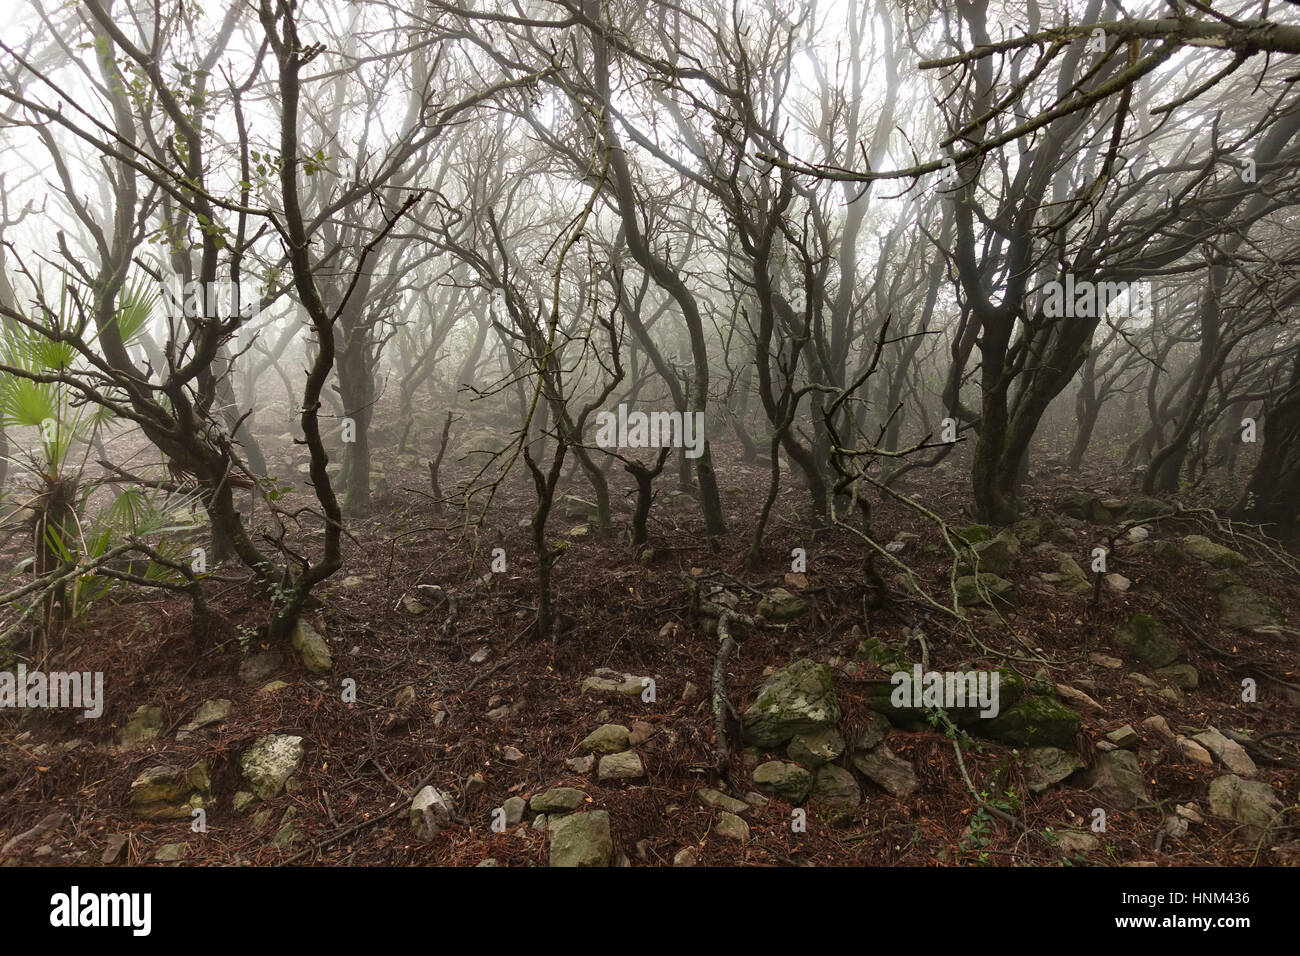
[
  {"x": 888, "y": 657},
  {"x": 311, "y": 648},
  {"x": 1216, "y": 555},
  {"x": 1243, "y": 607},
  {"x": 780, "y": 605},
  {"x": 1037, "y": 721},
  {"x": 974, "y": 533},
  {"x": 1145, "y": 638},
  {"x": 269, "y": 763},
  {"x": 605, "y": 739},
  {"x": 1045, "y": 766},
  {"x": 581, "y": 839},
  {"x": 1032, "y": 531},
  {"x": 798, "y": 699},
  {"x": 168, "y": 793},
  {"x": 993, "y": 556},
  {"x": 558, "y": 800},
  {"x": 788, "y": 781}
]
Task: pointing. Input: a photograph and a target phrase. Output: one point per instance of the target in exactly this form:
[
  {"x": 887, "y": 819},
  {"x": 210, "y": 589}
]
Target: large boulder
[
  {"x": 581, "y": 839},
  {"x": 270, "y": 762},
  {"x": 798, "y": 699},
  {"x": 1145, "y": 638}
]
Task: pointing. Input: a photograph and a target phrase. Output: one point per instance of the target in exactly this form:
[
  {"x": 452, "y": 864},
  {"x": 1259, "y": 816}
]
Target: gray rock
[
  {"x": 144, "y": 725},
  {"x": 258, "y": 668},
  {"x": 1036, "y": 721},
  {"x": 557, "y": 800},
  {"x": 798, "y": 699},
  {"x": 624, "y": 766},
  {"x": 1045, "y": 766},
  {"x": 1145, "y": 638},
  {"x": 814, "y": 749},
  {"x": 732, "y": 827},
  {"x": 1117, "y": 778},
  {"x": 1249, "y": 802},
  {"x": 170, "y": 852},
  {"x": 269, "y": 763},
  {"x": 581, "y": 839},
  {"x": 311, "y": 648},
  {"x": 431, "y": 810},
  {"x": 514, "y": 810},
  {"x": 1230, "y": 753},
  {"x": 1180, "y": 675},
  {"x": 1243, "y": 607},
  {"x": 210, "y": 712},
  {"x": 974, "y": 590},
  {"x": 715, "y": 798},
  {"x": 1125, "y": 737},
  {"x": 881, "y": 766},
  {"x": 687, "y": 856},
  {"x": 788, "y": 781},
  {"x": 581, "y": 764},
  {"x": 606, "y": 739},
  {"x": 1203, "y": 549},
  {"x": 780, "y": 605},
  {"x": 169, "y": 793},
  {"x": 1194, "y": 752},
  {"x": 835, "y": 787}
]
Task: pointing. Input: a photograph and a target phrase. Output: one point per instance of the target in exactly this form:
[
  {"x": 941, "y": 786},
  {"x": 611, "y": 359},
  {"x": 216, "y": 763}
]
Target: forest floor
[{"x": 491, "y": 712}]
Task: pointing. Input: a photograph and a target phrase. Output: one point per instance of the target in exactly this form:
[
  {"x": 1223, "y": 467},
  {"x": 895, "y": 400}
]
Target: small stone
[
  {"x": 557, "y": 800},
  {"x": 816, "y": 748},
  {"x": 1159, "y": 727},
  {"x": 835, "y": 787},
  {"x": 490, "y": 861},
  {"x": 271, "y": 687},
  {"x": 1076, "y": 841},
  {"x": 144, "y": 725},
  {"x": 1072, "y": 695},
  {"x": 113, "y": 849},
  {"x": 689, "y": 693},
  {"x": 882, "y": 767},
  {"x": 514, "y": 810},
  {"x": 210, "y": 712},
  {"x": 789, "y": 781},
  {"x": 1117, "y": 582},
  {"x": 641, "y": 732},
  {"x": 479, "y": 656},
  {"x": 1183, "y": 676},
  {"x": 1125, "y": 737},
  {"x": 687, "y": 856},
  {"x": 715, "y": 798},
  {"x": 474, "y": 786},
  {"x": 540, "y": 822},
  {"x": 269, "y": 762},
  {"x": 1194, "y": 752},
  {"x": 511, "y": 754},
  {"x": 1105, "y": 660},
  {"x": 623, "y": 766},
  {"x": 1189, "y": 813},
  {"x": 430, "y": 812},
  {"x": 1045, "y": 766},
  {"x": 581, "y": 764},
  {"x": 1117, "y": 777},
  {"x": 606, "y": 739},
  {"x": 170, "y": 852},
  {"x": 1230, "y": 753},
  {"x": 732, "y": 827},
  {"x": 756, "y": 800},
  {"x": 257, "y": 668},
  {"x": 244, "y": 800}
]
